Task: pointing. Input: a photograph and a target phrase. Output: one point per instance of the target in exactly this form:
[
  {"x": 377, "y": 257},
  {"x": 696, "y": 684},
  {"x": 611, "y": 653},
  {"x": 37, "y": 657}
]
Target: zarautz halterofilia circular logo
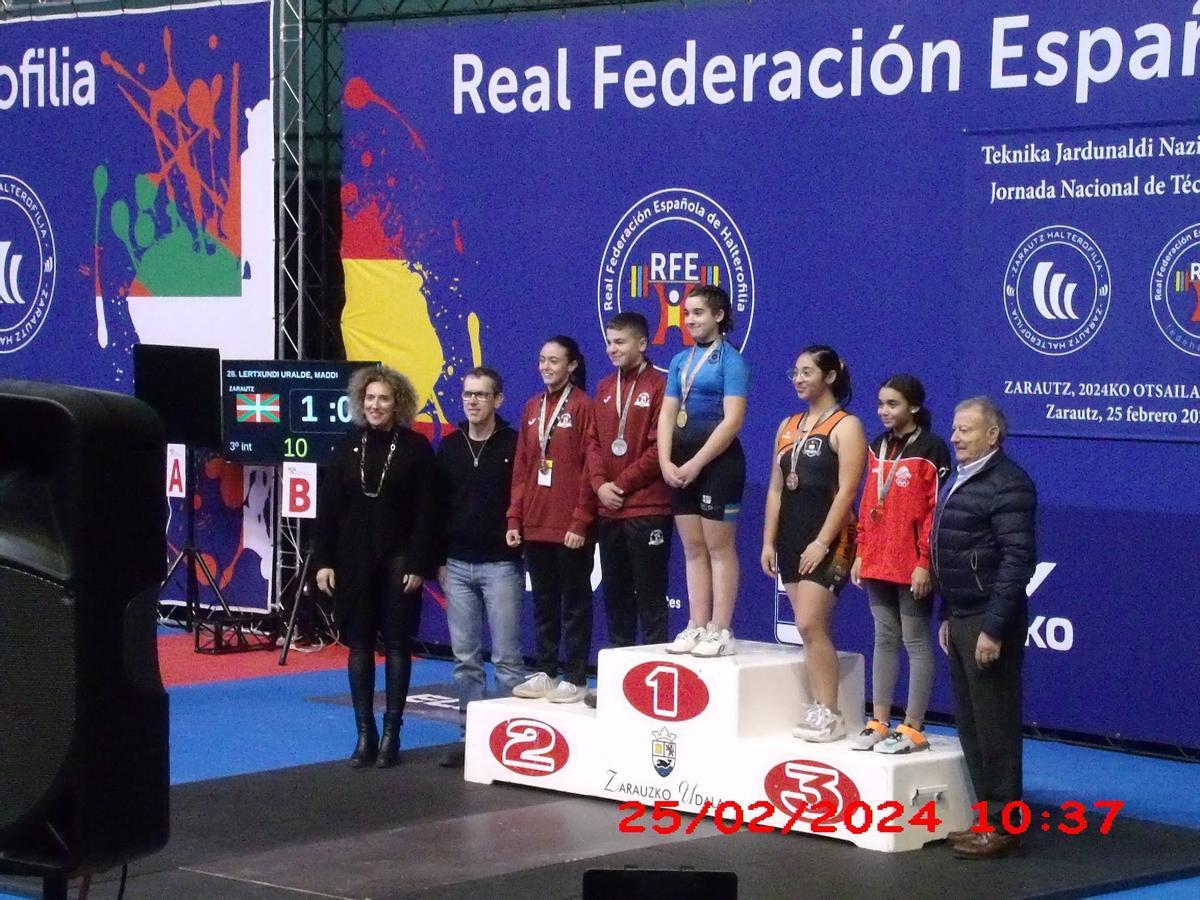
[
  {"x": 666, "y": 244},
  {"x": 1175, "y": 290},
  {"x": 1057, "y": 290},
  {"x": 27, "y": 264}
]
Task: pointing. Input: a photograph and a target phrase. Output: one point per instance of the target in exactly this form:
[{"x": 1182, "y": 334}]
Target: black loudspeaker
[
  {"x": 84, "y": 764},
  {"x": 182, "y": 385},
  {"x": 657, "y": 884}
]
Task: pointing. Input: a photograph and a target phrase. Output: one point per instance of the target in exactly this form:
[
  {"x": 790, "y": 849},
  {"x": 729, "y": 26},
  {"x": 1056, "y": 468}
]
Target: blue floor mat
[{"x": 260, "y": 724}]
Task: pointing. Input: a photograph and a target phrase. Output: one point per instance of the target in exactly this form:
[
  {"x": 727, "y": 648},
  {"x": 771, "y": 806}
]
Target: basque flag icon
[{"x": 258, "y": 407}]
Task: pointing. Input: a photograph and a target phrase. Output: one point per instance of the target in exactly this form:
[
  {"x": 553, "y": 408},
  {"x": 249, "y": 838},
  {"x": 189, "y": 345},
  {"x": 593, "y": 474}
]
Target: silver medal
[{"x": 619, "y": 447}]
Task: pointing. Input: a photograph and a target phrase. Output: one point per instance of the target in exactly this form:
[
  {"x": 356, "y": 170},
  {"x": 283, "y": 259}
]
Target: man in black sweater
[
  {"x": 481, "y": 573},
  {"x": 984, "y": 553}
]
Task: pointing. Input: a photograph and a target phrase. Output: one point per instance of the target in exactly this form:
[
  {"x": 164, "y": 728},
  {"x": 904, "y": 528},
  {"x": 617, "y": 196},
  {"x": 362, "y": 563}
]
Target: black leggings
[
  {"x": 562, "y": 607},
  {"x": 395, "y": 616}
]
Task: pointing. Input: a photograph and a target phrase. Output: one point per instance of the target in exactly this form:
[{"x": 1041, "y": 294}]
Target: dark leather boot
[
  {"x": 397, "y": 672},
  {"x": 361, "y": 668},
  {"x": 389, "y": 744}
]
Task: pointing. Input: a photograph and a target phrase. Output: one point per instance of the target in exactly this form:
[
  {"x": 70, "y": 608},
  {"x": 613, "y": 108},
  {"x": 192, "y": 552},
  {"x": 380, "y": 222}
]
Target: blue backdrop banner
[{"x": 999, "y": 201}]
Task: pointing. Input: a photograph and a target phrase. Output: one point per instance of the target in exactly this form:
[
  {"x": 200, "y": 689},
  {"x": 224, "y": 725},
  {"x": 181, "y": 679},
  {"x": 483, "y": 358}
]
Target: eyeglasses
[
  {"x": 478, "y": 395},
  {"x": 792, "y": 373}
]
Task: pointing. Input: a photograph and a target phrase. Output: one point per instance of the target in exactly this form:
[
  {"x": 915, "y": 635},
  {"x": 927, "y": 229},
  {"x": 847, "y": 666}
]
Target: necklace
[
  {"x": 475, "y": 457},
  {"x": 362, "y": 465}
]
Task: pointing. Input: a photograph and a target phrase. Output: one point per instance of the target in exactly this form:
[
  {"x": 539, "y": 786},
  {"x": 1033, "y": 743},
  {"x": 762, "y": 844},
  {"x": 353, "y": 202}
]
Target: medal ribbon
[
  {"x": 544, "y": 432},
  {"x": 800, "y": 439},
  {"x": 623, "y": 412},
  {"x": 883, "y": 487},
  {"x": 686, "y": 382}
]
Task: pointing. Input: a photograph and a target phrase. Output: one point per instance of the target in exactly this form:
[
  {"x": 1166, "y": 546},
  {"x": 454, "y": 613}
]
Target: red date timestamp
[
  {"x": 1070, "y": 817},
  {"x": 819, "y": 818}
]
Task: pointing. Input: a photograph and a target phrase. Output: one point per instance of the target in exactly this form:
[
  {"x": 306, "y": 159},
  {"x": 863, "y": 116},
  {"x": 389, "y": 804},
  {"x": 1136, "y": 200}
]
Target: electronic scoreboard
[{"x": 275, "y": 411}]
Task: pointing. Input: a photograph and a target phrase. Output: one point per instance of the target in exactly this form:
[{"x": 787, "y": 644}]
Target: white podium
[{"x": 706, "y": 731}]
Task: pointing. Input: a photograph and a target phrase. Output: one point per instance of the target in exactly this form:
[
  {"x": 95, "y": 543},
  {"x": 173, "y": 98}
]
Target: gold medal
[
  {"x": 681, "y": 419},
  {"x": 544, "y": 466},
  {"x": 792, "y": 481}
]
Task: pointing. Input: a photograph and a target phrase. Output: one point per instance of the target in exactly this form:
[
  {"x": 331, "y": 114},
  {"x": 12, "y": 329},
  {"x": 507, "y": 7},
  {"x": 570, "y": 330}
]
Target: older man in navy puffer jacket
[{"x": 984, "y": 553}]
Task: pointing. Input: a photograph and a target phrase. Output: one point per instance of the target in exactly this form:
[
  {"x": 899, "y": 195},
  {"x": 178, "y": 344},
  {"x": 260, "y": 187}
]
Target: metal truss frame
[{"x": 308, "y": 82}]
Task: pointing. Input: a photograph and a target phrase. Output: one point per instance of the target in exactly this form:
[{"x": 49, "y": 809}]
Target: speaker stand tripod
[
  {"x": 298, "y": 597},
  {"x": 226, "y": 630}
]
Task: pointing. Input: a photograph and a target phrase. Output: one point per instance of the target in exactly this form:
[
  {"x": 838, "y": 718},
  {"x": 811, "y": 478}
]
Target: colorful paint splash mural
[
  {"x": 403, "y": 258},
  {"x": 183, "y": 229},
  {"x": 180, "y": 220}
]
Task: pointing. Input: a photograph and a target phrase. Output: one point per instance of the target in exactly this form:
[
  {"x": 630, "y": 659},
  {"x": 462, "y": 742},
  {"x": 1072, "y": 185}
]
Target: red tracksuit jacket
[
  {"x": 636, "y": 473},
  {"x": 568, "y": 504},
  {"x": 895, "y": 541}
]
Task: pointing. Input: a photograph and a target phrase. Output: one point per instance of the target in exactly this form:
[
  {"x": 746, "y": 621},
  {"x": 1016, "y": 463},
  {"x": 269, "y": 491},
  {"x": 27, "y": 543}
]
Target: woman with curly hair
[{"x": 373, "y": 549}]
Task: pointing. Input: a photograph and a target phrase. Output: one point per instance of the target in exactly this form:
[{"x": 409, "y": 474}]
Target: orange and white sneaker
[
  {"x": 903, "y": 740},
  {"x": 874, "y": 732}
]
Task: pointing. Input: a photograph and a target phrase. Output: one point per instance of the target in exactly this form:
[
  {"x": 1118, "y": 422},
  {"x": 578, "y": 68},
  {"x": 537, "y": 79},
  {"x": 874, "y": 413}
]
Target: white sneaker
[
  {"x": 716, "y": 643},
  {"x": 539, "y": 684},
  {"x": 808, "y": 721},
  {"x": 686, "y": 640},
  {"x": 874, "y": 732},
  {"x": 566, "y": 692},
  {"x": 828, "y": 726},
  {"x": 903, "y": 740}
]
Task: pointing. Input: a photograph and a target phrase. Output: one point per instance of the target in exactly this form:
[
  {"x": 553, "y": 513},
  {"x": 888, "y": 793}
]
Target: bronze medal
[
  {"x": 876, "y": 513},
  {"x": 792, "y": 481}
]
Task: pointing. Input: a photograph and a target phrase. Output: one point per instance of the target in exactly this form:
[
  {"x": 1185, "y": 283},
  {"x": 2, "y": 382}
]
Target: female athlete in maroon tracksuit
[{"x": 551, "y": 512}]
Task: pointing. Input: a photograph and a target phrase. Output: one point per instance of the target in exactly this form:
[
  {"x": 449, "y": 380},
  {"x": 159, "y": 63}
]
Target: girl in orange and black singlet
[{"x": 808, "y": 532}]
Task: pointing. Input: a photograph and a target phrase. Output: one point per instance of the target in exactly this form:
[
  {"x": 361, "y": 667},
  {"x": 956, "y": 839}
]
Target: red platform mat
[{"x": 181, "y": 665}]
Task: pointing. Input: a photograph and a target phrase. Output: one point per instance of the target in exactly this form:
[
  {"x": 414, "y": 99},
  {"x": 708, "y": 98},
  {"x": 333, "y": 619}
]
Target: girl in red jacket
[
  {"x": 907, "y": 465},
  {"x": 551, "y": 513}
]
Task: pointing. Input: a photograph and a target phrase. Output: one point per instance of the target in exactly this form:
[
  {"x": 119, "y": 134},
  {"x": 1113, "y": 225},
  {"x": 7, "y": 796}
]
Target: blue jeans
[{"x": 472, "y": 588}]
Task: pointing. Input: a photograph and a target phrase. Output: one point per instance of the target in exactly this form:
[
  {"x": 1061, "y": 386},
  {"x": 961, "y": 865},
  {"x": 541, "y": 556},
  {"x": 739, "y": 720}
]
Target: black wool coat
[
  {"x": 361, "y": 537},
  {"x": 984, "y": 546}
]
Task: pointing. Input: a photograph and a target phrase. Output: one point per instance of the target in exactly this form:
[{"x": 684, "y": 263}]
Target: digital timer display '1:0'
[
  {"x": 322, "y": 407},
  {"x": 314, "y": 411}
]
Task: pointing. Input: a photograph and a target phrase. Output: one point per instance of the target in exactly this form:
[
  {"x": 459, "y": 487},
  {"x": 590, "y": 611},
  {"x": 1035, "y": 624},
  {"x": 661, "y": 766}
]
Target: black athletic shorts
[
  {"x": 834, "y": 570},
  {"x": 717, "y": 494}
]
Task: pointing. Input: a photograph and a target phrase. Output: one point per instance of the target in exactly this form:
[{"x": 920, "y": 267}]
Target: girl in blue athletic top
[{"x": 702, "y": 459}]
